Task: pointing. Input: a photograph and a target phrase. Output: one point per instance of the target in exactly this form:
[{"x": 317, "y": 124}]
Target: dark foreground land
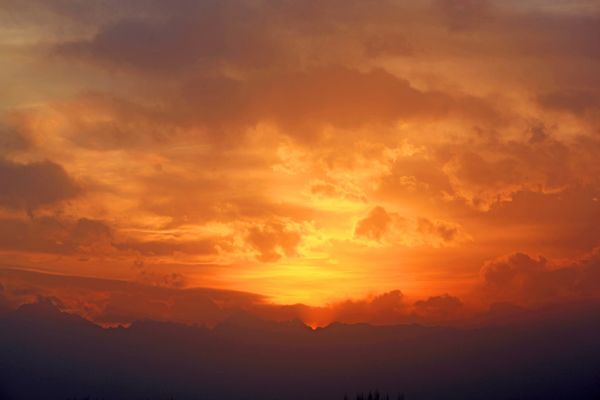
[{"x": 551, "y": 354}]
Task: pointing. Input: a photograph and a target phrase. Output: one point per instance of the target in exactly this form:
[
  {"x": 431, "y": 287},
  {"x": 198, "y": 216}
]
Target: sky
[{"x": 360, "y": 161}]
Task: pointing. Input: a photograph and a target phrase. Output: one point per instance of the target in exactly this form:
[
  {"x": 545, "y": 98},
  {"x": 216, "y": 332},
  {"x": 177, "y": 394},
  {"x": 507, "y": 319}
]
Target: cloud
[
  {"x": 95, "y": 238},
  {"x": 29, "y": 186},
  {"x": 106, "y": 122},
  {"x": 163, "y": 296},
  {"x": 332, "y": 189},
  {"x": 438, "y": 307},
  {"x": 374, "y": 225},
  {"x": 300, "y": 102},
  {"x": 388, "y": 44},
  {"x": 447, "y": 232},
  {"x": 523, "y": 279},
  {"x": 211, "y": 34},
  {"x": 489, "y": 170},
  {"x": 415, "y": 121},
  {"x": 169, "y": 280},
  {"x": 208, "y": 246},
  {"x": 113, "y": 302},
  {"x": 464, "y": 14},
  {"x": 385, "y": 227},
  {"x": 52, "y": 235},
  {"x": 578, "y": 102},
  {"x": 382, "y": 309},
  {"x": 564, "y": 220},
  {"x": 273, "y": 240},
  {"x": 12, "y": 139},
  {"x": 493, "y": 170}
]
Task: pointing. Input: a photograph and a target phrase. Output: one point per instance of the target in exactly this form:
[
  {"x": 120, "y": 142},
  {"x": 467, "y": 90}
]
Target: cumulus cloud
[
  {"x": 521, "y": 278},
  {"x": 493, "y": 171},
  {"x": 273, "y": 241},
  {"x": 438, "y": 307},
  {"x": 446, "y": 231},
  {"x": 385, "y": 308},
  {"x": 374, "y": 225},
  {"x": 385, "y": 227}
]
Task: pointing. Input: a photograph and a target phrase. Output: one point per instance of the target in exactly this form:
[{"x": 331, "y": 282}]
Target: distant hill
[{"x": 551, "y": 354}]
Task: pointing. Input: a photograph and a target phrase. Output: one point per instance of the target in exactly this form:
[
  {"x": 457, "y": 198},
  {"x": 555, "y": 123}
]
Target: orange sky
[{"x": 368, "y": 160}]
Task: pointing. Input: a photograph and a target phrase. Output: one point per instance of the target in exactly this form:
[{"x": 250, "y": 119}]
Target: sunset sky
[{"x": 377, "y": 161}]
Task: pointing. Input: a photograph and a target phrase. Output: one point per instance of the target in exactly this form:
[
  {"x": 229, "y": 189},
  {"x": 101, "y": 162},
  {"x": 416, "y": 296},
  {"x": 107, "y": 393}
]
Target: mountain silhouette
[{"x": 49, "y": 354}]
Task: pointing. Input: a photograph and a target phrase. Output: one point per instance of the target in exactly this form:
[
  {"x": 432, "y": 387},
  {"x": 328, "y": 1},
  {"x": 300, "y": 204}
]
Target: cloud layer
[{"x": 309, "y": 152}]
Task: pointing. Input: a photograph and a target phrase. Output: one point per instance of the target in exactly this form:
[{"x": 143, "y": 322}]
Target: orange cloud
[
  {"x": 379, "y": 225},
  {"x": 301, "y": 150},
  {"x": 273, "y": 240},
  {"x": 375, "y": 225}
]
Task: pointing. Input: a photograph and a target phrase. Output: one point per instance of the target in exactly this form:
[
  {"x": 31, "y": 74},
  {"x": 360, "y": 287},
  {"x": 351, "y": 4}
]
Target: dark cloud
[
  {"x": 170, "y": 247},
  {"x": 94, "y": 238},
  {"x": 121, "y": 302},
  {"x": 557, "y": 35},
  {"x": 300, "y": 103},
  {"x": 391, "y": 44},
  {"x": 89, "y": 230},
  {"x": 438, "y": 307},
  {"x": 52, "y": 235},
  {"x": 578, "y": 102},
  {"x": 218, "y": 34},
  {"x": 104, "y": 122},
  {"x": 566, "y": 218},
  {"x": 494, "y": 169},
  {"x": 343, "y": 97},
  {"x": 165, "y": 36},
  {"x": 464, "y": 14},
  {"x": 29, "y": 186},
  {"x": 385, "y": 308},
  {"x": 169, "y": 280},
  {"x": 521, "y": 278},
  {"x": 12, "y": 139}
]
